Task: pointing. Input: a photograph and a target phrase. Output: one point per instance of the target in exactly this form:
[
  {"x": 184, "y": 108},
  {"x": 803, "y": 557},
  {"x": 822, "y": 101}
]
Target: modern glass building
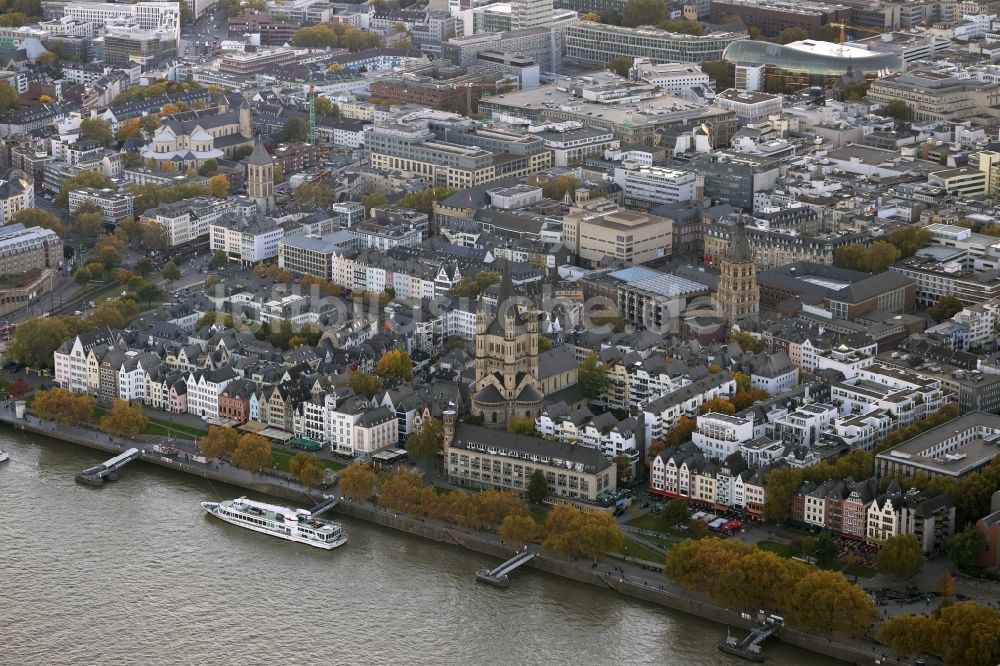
[{"x": 812, "y": 58}]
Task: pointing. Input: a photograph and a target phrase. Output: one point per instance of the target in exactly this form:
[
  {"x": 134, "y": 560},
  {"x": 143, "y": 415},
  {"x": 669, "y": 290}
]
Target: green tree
[
  {"x": 824, "y": 550},
  {"x": 325, "y": 107},
  {"x": 592, "y": 377},
  {"x": 620, "y": 66},
  {"x": 36, "y": 217},
  {"x": 963, "y": 547},
  {"x": 781, "y": 485},
  {"x": 556, "y": 188},
  {"x": 364, "y": 383},
  {"x": 37, "y": 339},
  {"x": 219, "y": 260},
  {"x": 521, "y": 425},
  {"x": 643, "y": 12},
  {"x": 253, "y": 452},
  {"x": 9, "y": 100},
  {"x": 946, "y": 307},
  {"x": 850, "y": 256},
  {"x": 148, "y": 293},
  {"x": 900, "y": 556},
  {"x": 624, "y": 468},
  {"x": 720, "y": 71},
  {"x": 538, "y": 487},
  {"x": 155, "y": 237},
  {"x": 426, "y": 442},
  {"x": 373, "y": 200},
  {"x": 881, "y": 255},
  {"x": 97, "y": 130},
  {"x": 208, "y": 167},
  {"x": 899, "y": 110},
  {"x": 682, "y": 26},
  {"x": 357, "y": 481},
  {"x": 171, "y": 273},
  {"x": 674, "y": 513},
  {"x": 792, "y": 34},
  {"x": 395, "y": 363},
  {"x": 295, "y": 130},
  {"x": 518, "y": 530},
  {"x": 124, "y": 419}
]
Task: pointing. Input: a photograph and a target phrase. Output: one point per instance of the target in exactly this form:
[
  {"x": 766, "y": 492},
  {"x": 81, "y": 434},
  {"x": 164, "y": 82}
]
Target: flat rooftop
[
  {"x": 926, "y": 449},
  {"x": 662, "y": 284}
]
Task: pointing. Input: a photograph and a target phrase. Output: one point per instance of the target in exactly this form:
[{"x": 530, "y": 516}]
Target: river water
[{"x": 135, "y": 573}]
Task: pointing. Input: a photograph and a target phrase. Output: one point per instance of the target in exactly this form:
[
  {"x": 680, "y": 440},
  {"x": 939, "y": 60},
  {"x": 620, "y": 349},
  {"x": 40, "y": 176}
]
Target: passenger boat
[
  {"x": 291, "y": 524},
  {"x": 4, "y": 456}
]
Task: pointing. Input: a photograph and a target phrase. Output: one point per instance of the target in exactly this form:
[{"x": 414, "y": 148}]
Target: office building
[
  {"x": 601, "y": 43},
  {"x": 650, "y": 186},
  {"x": 957, "y": 448}
]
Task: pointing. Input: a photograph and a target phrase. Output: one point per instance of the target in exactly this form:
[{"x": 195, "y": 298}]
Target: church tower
[
  {"x": 260, "y": 178},
  {"x": 739, "y": 295},
  {"x": 506, "y": 360}
]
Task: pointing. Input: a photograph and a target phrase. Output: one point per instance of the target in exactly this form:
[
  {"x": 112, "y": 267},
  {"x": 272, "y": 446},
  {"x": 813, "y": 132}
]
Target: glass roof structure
[{"x": 812, "y": 57}]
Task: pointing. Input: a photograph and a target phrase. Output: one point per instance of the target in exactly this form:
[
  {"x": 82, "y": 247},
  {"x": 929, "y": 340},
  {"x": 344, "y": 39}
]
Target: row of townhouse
[
  {"x": 857, "y": 510},
  {"x": 683, "y": 472},
  {"x": 604, "y": 432},
  {"x": 663, "y": 413}
]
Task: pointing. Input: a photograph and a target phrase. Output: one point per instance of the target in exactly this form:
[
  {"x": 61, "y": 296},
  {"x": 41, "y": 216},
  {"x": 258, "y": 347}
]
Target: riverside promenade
[{"x": 641, "y": 580}]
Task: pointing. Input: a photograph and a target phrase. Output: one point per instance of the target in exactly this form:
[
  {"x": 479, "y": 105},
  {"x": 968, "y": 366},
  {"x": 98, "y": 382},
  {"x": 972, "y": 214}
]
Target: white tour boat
[
  {"x": 292, "y": 524},
  {"x": 4, "y": 456}
]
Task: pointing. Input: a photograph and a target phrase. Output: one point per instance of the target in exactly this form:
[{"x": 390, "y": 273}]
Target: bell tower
[
  {"x": 739, "y": 295},
  {"x": 260, "y": 178}
]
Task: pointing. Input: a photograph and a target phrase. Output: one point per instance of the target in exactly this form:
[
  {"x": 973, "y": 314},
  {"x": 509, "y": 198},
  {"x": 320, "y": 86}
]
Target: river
[{"x": 135, "y": 573}]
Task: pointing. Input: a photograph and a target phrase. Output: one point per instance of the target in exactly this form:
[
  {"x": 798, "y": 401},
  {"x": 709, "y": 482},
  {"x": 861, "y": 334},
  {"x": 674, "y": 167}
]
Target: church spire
[{"x": 739, "y": 252}]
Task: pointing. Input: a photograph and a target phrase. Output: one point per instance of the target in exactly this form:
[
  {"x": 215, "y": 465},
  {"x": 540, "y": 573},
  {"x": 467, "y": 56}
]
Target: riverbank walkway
[{"x": 626, "y": 576}]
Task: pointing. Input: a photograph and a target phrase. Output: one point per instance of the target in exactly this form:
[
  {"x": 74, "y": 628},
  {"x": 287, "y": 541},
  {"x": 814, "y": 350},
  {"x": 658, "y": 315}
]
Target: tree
[
  {"x": 357, "y": 482},
  {"x": 824, "y": 550},
  {"x": 624, "y": 468},
  {"x": 63, "y": 406},
  {"x": 592, "y": 377},
  {"x": 792, "y": 34},
  {"x": 252, "y": 452},
  {"x": 373, "y": 200},
  {"x": 9, "y": 100},
  {"x": 171, "y": 273},
  {"x": 781, "y": 485},
  {"x": 426, "y": 442},
  {"x": 719, "y": 405},
  {"x": 850, "y": 256},
  {"x": 314, "y": 195},
  {"x": 643, "y": 12},
  {"x": 826, "y": 601},
  {"x": 544, "y": 344},
  {"x": 900, "y": 556},
  {"x": 395, "y": 363},
  {"x": 720, "y": 71},
  {"x": 423, "y": 200},
  {"x": 880, "y": 256},
  {"x": 599, "y": 534},
  {"x": 219, "y": 442},
  {"x": 114, "y": 313},
  {"x": 123, "y": 419},
  {"x": 967, "y": 634},
  {"x": 278, "y": 174},
  {"x": 946, "y": 307},
  {"x": 307, "y": 468},
  {"x": 155, "y": 237},
  {"x": 97, "y": 130},
  {"x": 219, "y": 186},
  {"x": 909, "y": 635},
  {"x": 79, "y": 182},
  {"x": 83, "y": 275},
  {"x": 562, "y": 530},
  {"x": 36, "y": 217},
  {"x": 518, "y": 530},
  {"x": 909, "y": 239},
  {"x": 37, "y": 339},
  {"x": 557, "y": 188},
  {"x": 945, "y": 585},
  {"x": 148, "y": 293},
  {"x": 538, "y": 487},
  {"x": 295, "y": 130},
  {"x": 208, "y": 167},
  {"x": 591, "y": 16},
  {"x": 674, "y": 513},
  {"x": 364, "y": 383},
  {"x": 963, "y": 547},
  {"x": 325, "y": 107},
  {"x": 681, "y": 26},
  {"x": 521, "y": 425},
  {"x": 899, "y": 110},
  {"x": 620, "y": 66}
]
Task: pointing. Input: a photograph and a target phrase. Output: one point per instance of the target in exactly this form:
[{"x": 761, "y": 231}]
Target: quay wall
[{"x": 579, "y": 571}]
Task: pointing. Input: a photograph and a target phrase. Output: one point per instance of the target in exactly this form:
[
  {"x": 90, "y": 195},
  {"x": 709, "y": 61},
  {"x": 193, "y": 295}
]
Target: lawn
[
  {"x": 161, "y": 427},
  {"x": 280, "y": 458},
  {"x": 860, "y": 570},
  {"x": 663, "y": 542},
  {"x": 777, "y": 548},
  {"x": 647, "y": 522},
  {"x": 633, "y": 549}
]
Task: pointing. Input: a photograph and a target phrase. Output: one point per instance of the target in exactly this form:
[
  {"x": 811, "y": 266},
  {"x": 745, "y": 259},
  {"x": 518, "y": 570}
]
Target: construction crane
[
  {"x": 311, "y": 97},
  {"x": 844, "y": 27}
]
